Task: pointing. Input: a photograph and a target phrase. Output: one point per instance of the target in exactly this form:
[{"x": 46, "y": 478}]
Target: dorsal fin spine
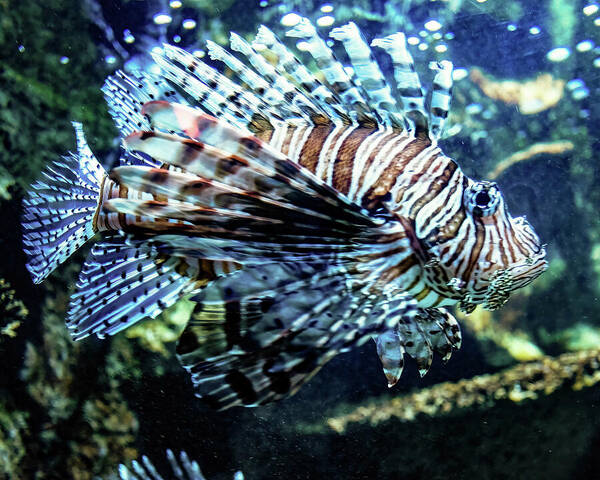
[
  {"x": 334, "y": 71},
  {"x": 441, "y": 97},
  {"x": 368, "y": 73},
  {"x": 288, "y": 63},
  {"x": 407, "y": 80}
]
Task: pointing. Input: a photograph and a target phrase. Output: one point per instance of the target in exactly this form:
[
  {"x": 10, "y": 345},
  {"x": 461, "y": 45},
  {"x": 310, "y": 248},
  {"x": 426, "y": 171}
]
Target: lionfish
[{"x": 303, "y": 216}]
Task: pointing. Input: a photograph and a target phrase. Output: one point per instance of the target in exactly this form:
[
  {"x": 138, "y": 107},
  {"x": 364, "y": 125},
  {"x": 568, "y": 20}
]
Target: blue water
[{"x": 526, "y": 87}]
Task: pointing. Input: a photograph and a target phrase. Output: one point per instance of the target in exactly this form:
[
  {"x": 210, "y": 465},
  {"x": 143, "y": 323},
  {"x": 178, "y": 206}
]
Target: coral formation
[
  {"x": 156, "y": 334},
  {"x": 525, "y": 381},
  {"x": 88, "y": 424},
  {"x": 13, "y": 429},
  {"x": 517, "y": 343},
  {"x": 532, "y": 96},
  {"x": 13, "y": 311}
]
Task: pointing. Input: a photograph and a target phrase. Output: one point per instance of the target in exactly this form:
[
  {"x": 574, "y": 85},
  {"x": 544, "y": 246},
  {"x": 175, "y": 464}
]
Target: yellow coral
[
  {"x": 13, "y": 310},
  {"x": 156, "y": 333},
  {"x": 525, "y": 381},
  {"x": 517, "y": 343}
]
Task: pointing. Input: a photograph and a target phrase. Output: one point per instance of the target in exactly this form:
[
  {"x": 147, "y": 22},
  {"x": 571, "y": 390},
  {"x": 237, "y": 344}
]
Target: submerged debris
[
  {"x": 551, "y": 148},
  {"x": 531, "y": 96},
  {"x": 521, "y": 382}
]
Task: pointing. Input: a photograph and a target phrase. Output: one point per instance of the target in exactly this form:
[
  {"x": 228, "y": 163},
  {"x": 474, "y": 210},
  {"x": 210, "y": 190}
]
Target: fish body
[{"x": 305, "y": 218}]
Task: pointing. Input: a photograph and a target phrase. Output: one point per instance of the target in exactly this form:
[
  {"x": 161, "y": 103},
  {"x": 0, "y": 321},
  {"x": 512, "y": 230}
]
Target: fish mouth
[
  {"x": 506, "y": 281},
  {"x": 527, "y": 271}
]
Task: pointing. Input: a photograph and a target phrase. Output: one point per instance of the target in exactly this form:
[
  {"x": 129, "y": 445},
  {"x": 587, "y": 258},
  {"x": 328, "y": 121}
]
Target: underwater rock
[
  {"x": 84, "y": 426},
  {"x": 531, "y": 96},
  {"x": 13, "y": 431}
]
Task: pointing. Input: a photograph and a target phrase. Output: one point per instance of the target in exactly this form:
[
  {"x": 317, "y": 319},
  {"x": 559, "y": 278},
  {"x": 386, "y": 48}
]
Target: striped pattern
[{"x": 305, "y": 217}]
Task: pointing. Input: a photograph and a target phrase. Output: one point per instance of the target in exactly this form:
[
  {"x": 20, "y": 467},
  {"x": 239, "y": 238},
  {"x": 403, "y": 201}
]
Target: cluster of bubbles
[
  {"x": 429, "y": 37},
  {"x": 165, "y": 18}
]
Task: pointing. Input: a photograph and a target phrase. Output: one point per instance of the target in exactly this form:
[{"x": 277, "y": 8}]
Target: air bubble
[
  {"x": 303, "y": 46},
  {"x": 473, "y": 109},
  {"x": 432, "y": 25},
  {"x": 575, "y": 83},
  {"x": 128, "y": 37},
  {"x": 558, "y": 54},
  {"x": 291, "y": 20},
  {"x": 188, "y": 24},
  {"x": 580, "y": 93},
  {"x": 325, "y": 21},
  {"x": 459, "y": 74},
  {"x": 585, "y": 46},
  {"x": 162, "y": 19}
]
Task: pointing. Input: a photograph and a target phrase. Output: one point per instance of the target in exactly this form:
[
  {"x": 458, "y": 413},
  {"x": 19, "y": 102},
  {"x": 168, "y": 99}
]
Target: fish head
[{"x": 487, "y": 253}]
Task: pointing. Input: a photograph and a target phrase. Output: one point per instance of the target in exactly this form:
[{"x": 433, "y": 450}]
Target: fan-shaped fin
[
  {"x": 407, "y": 80},
  {"x": 288, "y": 63},
  {"x": 260, "y": 334},
  {"x": 126, "y": 93},
  {"x": 368, "y": 73},
  {"x": 430, "y": 329},
  {"x": 298, "y": 101},
  {"x": 334, "y": 72},
  {"x": 121, "y": 284},
  {"x": 59, "y": 209},
  {"x": 440, "y": 98}
]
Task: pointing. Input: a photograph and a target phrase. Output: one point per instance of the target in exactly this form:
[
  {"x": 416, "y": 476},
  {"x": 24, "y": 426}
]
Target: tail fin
[{"x": 59, "y": 209}]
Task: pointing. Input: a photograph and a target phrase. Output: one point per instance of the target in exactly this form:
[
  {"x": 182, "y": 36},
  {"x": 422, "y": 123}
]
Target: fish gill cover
[{"x": 302, "y": 205}]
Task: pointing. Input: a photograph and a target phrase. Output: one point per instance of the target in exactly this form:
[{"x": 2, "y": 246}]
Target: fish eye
[{"x": 482, "y": 198}]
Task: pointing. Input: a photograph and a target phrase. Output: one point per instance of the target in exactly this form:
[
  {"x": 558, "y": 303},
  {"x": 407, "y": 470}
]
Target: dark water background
[{"x": 78, "y": 410}]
